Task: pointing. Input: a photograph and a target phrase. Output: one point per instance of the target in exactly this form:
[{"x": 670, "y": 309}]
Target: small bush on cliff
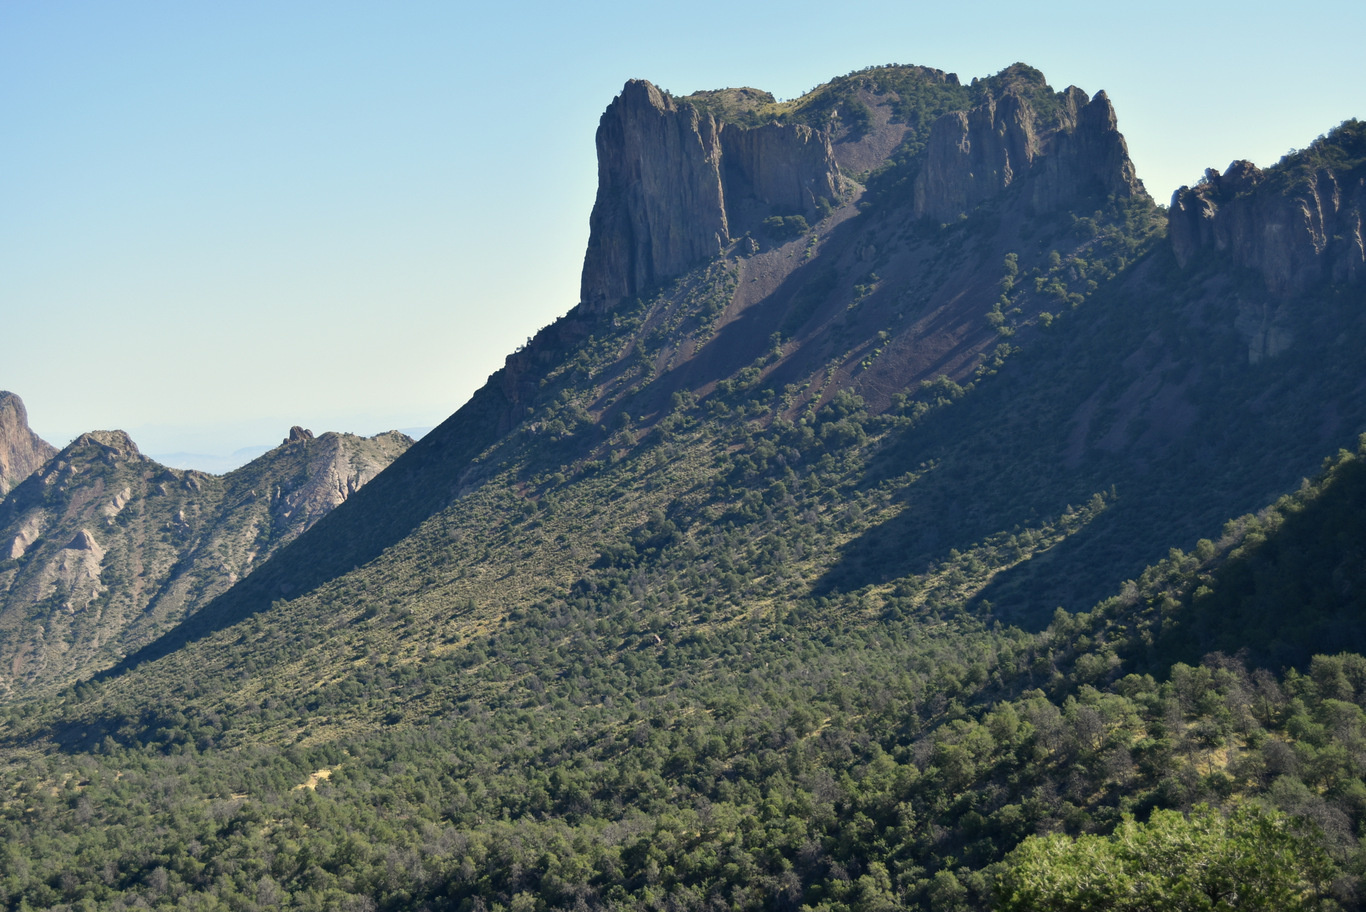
[{"x": 786, "y": 227}]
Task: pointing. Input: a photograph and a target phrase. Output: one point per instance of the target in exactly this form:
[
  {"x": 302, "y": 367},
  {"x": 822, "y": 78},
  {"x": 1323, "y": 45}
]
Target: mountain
[
  {"x": 105, "y": 548},
  {"x": 870, "y": 302},
  {"x": 908, "y": 509},
  {"x": 22, "y": 452}
]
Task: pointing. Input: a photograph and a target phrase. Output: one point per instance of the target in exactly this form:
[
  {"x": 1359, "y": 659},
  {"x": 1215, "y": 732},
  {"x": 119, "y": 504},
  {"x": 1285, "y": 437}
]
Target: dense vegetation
[{"x": 843, "y": 754}]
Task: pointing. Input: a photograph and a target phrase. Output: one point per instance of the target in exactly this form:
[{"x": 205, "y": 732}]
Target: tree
[{"x": 1254, "y": 859}]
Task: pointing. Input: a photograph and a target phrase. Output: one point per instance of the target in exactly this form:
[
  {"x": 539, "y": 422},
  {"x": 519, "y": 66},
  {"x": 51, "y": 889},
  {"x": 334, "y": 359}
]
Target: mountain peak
[
  {"x": 676, "y": 185},
  {"x": 22, "y": 452},
  {"x": 116, "y": 443},
  {"x": 680, "y": 179},
  {"x": 1059, "y": 144},
  {"x": 99, "y": 507}
]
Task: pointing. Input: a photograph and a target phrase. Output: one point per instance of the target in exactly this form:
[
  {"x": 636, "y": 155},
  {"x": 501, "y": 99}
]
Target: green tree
[{"x": 1254, "y": 859}]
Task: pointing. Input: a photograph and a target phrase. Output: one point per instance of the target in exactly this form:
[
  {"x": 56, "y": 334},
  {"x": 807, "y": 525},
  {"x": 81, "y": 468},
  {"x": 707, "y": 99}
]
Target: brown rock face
[
  {"x": 666, "y": 172},
  {"x": 1295, "y": 233},
  {"x": 972, "y": 156},
  {"x": 22, "y": 452}
]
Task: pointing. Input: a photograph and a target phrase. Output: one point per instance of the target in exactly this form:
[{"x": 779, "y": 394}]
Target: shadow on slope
[
  {"x": 1295, "y": 587},
  {"x": 1146, "y": 396}
]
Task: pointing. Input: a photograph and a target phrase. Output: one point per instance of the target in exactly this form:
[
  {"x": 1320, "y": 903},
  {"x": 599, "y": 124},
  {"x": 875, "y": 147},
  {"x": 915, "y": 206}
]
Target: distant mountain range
[
  {"x": 104, "y": 548},
  {"x": 204, "y": 462},
  {"x": 911, "y": 514},
  {"x": 221, "y": 464}
]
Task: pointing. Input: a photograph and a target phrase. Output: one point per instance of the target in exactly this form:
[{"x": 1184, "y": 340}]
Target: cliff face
[
  {"x": 784, "y": 168},
  {"x": 659, "y": 208},
  {"x": 675, "y": 185},
  {"x": 974, "y": 155},
  {"x": 1295, "y": 230},
  {"x": 22, "y": 452},
  {"x": 102, "y": 548}
]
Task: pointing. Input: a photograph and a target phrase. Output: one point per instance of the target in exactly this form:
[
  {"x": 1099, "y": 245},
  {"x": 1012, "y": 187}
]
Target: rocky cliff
[
  {"x": 675, "y": 185},
  {"x": 785, "y": 168},
  {"x": 22, "y": 452},
  {"x": 316, "y": 474},
  {"x": 1297, "y": 225},
  {"x": 103, "y": 548},
  {"x": 1074, "y": 150},
  {"x": 678, "y": 179}
]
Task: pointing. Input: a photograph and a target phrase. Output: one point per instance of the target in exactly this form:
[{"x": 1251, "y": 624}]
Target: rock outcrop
[
  {"x": 1295, "y": 226},
  {"x": 659, "y": 208},
  {"x": 330, "y": 468},
  {"x": 22, "y": 452},
  {"x": 974, "y": 155},
  {"x": 675, "y": 185},
  {"x": 786, "y": 169}
]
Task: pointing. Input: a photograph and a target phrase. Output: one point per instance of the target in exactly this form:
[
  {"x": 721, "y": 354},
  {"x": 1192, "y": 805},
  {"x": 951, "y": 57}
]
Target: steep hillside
[
  {"x": 22, "y": 452},
  {"x": 869, "y": 301},
  {"x": 105, "y": 549},
  {"x": 737, "y": 587}
]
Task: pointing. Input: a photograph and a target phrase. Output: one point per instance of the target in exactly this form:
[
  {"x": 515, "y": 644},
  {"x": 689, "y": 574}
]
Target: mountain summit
[
  {"x": 681, "y": 179},
  {"x": 675, "y": 186},
  {"x": 103, "y": 548}
]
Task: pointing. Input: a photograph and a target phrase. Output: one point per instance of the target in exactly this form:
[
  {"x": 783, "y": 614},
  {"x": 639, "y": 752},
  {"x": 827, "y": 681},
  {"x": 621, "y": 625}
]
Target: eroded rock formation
[
  {"x": 22, "y": 452},
  {"x": 974, "y": 155},
  {"x": 1295, "y": 230}
]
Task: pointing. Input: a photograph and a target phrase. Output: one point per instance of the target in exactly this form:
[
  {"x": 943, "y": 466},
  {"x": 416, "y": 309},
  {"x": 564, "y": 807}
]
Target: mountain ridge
[{"x": 105, "y": 547}]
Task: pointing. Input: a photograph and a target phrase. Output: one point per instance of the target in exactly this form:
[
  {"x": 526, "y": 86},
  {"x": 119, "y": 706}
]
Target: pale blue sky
[{"x": 221, "y": 219}]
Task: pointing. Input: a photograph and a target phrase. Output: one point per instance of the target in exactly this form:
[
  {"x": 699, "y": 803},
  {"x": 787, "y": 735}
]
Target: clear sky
[{"x": 218, "y": 220}]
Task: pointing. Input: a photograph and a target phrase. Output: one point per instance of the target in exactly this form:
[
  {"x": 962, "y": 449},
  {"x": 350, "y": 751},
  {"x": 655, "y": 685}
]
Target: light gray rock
[{"x": 22, "y": 452}]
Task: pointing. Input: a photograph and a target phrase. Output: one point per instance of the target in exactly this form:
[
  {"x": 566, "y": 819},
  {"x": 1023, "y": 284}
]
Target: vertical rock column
[{"x": 660, "y": 208}]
